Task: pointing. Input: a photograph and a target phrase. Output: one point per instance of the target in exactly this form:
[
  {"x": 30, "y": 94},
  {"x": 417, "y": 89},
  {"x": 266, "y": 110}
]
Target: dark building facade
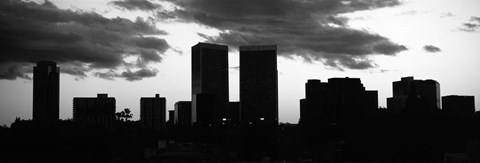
[
  {"x": 314, "y": 107},
  {"x": 152, "y": 112},
  {"x": 410, "y": 95},
  {"x": 183, "y": 113},
  {"x": 234, "y": 110},
  {"x": 46, "y": 91},
  {"x": 303, "y": 110},
  {"x": 204, "y": 113},
  {"x": 340, "y": 100},
  {"x": 258, "y": 84},
  {"x": 171, "y": 117},
  {"x": 96, "y": 110},
  {"x": 459, "y": 106},
  {"x": 209, "y": 79}
]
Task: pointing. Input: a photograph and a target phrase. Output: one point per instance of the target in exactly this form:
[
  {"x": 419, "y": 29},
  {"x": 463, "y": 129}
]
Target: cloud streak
[
  {"x": 312, "y": 30},
  {"x": 81, "y": 42},
  {"x": 128, "y": 75},
  {"x": 136, "y": 4},
  {"x": 431, "y": 49},
  {"x": 472, "y": 26}
]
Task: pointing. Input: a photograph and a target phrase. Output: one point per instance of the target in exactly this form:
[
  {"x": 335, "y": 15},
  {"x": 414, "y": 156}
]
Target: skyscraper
[
  {"x": 258, "y": 84},
  {"x": 46, "y": 90},
  {"x": 234, "y": 110},
  {"x": 459, "y": 106},
  {"x": 183, "y": 113},
  {"x": 209, "y": 80},
  {"x": 96, "y": 110},
  {"x": 314, "y": 105},
  {"x": 411, "y": 95},
  {"x": 171, "y": 118},
  {"x": 152, "y": 112},
  {"x": 340, "y": 100}
]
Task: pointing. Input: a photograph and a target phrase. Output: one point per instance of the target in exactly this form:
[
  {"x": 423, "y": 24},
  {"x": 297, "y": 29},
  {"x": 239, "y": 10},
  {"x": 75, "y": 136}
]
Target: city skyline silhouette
[
  {"x": 340, "y": 121},
  {"x": 138, "y": 62},
  {"x": 240, "y": 80}
]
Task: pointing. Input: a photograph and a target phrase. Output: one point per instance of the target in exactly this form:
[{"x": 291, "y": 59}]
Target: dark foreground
[{"x": 398, "y": 139}]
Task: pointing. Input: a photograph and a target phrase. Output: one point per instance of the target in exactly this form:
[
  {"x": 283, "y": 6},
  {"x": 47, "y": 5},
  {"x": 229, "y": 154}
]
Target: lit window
[{"x": 262, "y": 119}]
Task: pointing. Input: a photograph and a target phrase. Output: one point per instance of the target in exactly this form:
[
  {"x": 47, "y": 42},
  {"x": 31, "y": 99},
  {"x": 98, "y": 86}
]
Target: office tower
[
  {"x": 209, "y": 80},
  {"x": 258, "y": 84},
  {"x": 303, "y": 111},
  {"x": 459, "y": 106},
  {"x": 371, "y": 103},
  {"x": 183, "y": 113},
  {"x": 315, "y": 91},
  {"x": 410, "y": 95},
  {"x": 204, "y": 112},
  {"x": 152, "y": 112},
  {"x": 351, "y": 100},
  {"x": 46, "y": 90},
  {"x": 171, "y": 118},
  {"x": 340, "y": 100},
  {"x": 396, "y": 105},
  {"x": 95, "y": 110},
  {"x": 234, "y": 110}
]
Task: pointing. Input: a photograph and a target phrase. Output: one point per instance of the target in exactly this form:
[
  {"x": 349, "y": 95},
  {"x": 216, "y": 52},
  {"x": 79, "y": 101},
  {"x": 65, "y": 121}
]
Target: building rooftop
[
  {"x": 46, "y": 64},
  {"x": 457, "y": 96},
  {"x": 313, "y": 80},
  {"x": 211, "y": 46},
  {"x": 258, "y": 47}
]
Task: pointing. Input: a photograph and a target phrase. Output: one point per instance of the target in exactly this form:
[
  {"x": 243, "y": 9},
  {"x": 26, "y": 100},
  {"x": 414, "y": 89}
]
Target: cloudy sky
[{"x": 137, "y": 48}]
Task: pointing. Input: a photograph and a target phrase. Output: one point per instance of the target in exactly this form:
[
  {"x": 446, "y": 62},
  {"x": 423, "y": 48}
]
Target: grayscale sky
[{"x": 137, "y": 48}]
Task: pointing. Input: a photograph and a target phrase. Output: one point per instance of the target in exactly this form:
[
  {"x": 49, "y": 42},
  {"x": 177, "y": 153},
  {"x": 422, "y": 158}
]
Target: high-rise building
[
  {"x": 171, "y": 118},
  {"x": 410, "y": 95},
  {"x": 152, "y": 112},
  {"x": 234, "y": 110},
  {"x": 183, "y": 113},
  {"x": 350, "y": 100},
  {"x": 340, "y": 100},
  {"x": 258, "y": 84},
  {"x": 459, "y": 106},
  {"x": 204, "y": 113},
  {"x": 209, "y": 80},
  {"x": 315, "y": 91},
  {"x": 46, "y": 90},
  {"x": 303, "y": 111},
  {"x": 96, "y": 110},
  {"x": 396, "y": 105}
]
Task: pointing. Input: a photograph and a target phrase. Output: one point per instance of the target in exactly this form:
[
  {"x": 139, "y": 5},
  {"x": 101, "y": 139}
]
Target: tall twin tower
[
  {"x": 258, "y": 85},
  {"x": 46, "y": 92}
]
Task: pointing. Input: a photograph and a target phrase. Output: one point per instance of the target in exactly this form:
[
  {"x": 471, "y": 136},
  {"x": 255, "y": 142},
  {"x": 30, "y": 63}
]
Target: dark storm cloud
[
  {"x": 73, "y": 70},
  {"x": 341, "y": 21},
  {"x": 128, "y": 75},
  {"x": 11, "y": 71},
  {"x": 151, "y": 43},
  {"x": 473, "y": 25},
  {"x": 431, "y": 49},
  {"x": 110, "y": 75},
  {"x": 136, "y": 4},
  {"x": 138, "y": 75},
  {"x": 312, "y": 30},
  {"x": 79, "y": 41}
]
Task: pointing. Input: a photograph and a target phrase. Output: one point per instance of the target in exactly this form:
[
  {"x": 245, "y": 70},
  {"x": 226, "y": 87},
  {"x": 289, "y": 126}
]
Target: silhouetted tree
[{"x": 124, "y": 115}]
